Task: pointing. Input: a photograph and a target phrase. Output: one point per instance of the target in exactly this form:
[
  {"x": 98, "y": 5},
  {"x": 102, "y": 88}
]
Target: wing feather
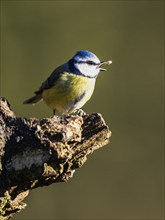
[{"x": 52, "y": 79}]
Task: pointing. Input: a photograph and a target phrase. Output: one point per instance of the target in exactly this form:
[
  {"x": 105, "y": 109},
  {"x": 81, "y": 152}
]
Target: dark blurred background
[{"x": 123, "y": 180}]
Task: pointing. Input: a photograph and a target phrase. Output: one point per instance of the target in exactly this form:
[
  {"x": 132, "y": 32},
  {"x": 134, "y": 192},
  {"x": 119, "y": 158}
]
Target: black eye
[{"x": 90, "y": 62}]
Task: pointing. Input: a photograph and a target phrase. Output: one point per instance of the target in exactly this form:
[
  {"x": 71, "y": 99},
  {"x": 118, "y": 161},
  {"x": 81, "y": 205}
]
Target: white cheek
[{"x": 88, "y": 70}]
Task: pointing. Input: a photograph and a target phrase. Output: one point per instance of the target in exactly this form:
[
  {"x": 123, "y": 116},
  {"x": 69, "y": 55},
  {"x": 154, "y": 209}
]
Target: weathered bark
[{"x": 37, "y": 152}]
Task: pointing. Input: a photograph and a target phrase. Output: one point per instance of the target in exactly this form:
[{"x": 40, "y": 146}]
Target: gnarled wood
[{"x": 37, "y": 152}]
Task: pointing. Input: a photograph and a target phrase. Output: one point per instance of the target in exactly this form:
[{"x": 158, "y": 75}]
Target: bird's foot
[{"x": 79, "y": 112}]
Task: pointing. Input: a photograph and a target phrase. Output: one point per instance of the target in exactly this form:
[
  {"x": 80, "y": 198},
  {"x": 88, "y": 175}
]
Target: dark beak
[{"x": 102, "y": 63}]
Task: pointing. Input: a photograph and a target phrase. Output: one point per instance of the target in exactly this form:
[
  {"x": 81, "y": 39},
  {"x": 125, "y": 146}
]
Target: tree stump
[{"x": 36, "y": 153}]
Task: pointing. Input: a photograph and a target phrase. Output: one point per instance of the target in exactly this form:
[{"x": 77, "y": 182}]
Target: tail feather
[{"x": 33, "y": 99}]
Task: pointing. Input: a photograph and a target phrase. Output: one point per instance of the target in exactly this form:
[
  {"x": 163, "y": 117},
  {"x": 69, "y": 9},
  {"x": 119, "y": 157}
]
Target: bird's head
[{"x": 86, "y": 63}]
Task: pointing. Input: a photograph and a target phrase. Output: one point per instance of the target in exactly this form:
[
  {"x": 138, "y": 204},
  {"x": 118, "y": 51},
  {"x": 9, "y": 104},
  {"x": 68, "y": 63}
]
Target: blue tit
[{"x": 70, "y": 85}]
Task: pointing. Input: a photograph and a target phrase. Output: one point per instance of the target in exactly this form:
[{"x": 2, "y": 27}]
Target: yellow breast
[{"x": 70, "y": 92}]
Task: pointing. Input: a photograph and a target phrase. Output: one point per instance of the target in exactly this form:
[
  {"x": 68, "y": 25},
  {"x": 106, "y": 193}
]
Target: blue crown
[{"x": 84, "y": 54}]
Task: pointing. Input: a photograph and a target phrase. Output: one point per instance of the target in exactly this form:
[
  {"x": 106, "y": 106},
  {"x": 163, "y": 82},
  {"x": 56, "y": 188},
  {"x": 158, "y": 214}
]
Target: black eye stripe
[{"x": 90, "y": 62}]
